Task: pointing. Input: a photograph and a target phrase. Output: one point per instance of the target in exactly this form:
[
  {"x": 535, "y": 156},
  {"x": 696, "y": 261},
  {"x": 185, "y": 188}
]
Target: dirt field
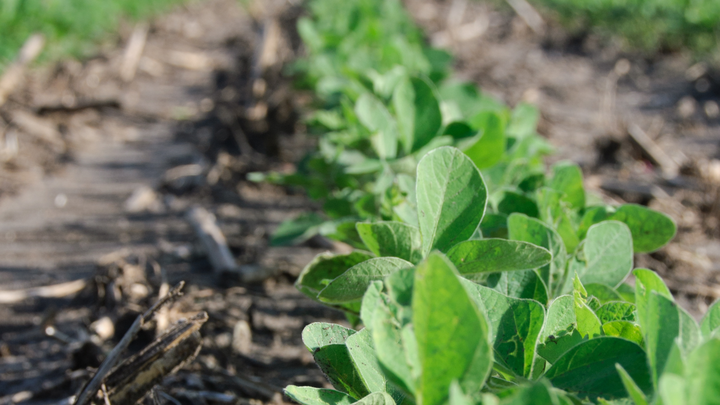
[{"x": 98, "y": 173}]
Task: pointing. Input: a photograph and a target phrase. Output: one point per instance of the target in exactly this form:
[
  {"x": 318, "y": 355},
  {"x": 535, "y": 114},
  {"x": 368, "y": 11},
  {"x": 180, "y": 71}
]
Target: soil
[{"x": 98, "y": 174}]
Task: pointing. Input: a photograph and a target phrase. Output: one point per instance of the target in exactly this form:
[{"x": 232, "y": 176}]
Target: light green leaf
[
  {"x": 537, "y": 393},
  {"x": 631, "y": 387},
  {"x": 324, "y": 268},
  {"x": 623, "y": 329},
  {"x": 602, "y": 292},
  {"x": 673, "y": 390},
  {"x": 553, "y": 210},
  {"x": 711, "y": 320},
  {"x": 457, "y": 396},
  {"x": 392, "y": 351},
  {"x": 351, "y": 285},
  {"x": 609, "y": 254},
  {"x": 515, "y": 326},
  {"x": 317, "y": 396},
  {"x": 296, "y": 230},
  {"x": 418, "y": 112},
  {"x": 374, "y": 116},
  {"x": 659, "y": 321},
  {"x": 362, "y": 353},
  {"x": 589, "y": 368},
  {"x": 495, "y": 255},
  {"x": 616, "y": 311},
  {"x": 326, "y": 342},
  {"x": 376, "y": 398},
  {"x": 587, "y": 323},
  {"x": 703, "y": 374},
  {"x": 689, "y": 331},
  {"x": 523, "y": 228},
  {"x": 489, "y": 149},
  {"x": 559, "y": 334},
  {"x": 394, "y": 239},
  {"x": 452, "y": 335},
  {"x": 451, "y": 198},
  {"x": 568, "y": 179},
  {"x": 650, "y": 229}
]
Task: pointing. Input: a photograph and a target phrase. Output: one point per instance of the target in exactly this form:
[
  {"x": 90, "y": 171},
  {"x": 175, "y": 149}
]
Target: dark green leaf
[
  {"x": 515, "y": 326},
  {"x": 711, "y": 320},
  {"x": 514, "y": 202},
  {"x": 650, "y": 229},
  {"x": 495, "y": 255},
  {"x": 589, "y": 368},
  {"x": 494, "y": 226},
  {"x": 459, "y": 130},
  {"x": 490, "y": 147}
]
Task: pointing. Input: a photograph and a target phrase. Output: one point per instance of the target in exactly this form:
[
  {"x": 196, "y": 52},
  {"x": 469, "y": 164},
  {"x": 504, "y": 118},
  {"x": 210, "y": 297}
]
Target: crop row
[{"x": 479, "y": 276}]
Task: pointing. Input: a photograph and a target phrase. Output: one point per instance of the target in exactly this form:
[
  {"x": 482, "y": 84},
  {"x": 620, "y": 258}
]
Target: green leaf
[
  {"x": 452, "y": 335},
  {"x": 602, "y": 292},
  {"x": 324, "y": 268},
  {"x": 418, "y": 112},
  {"x": 523, "y": 121},
  {"x": 362, "y": 353},
  {"x": 490, "y": 147},
  {"x": 296, "y": 230},
  {"x": 374, "y": 116},
  {"x": 515, "y": 326},
  {"x": 376, "y": 398},
  {"x": 520, "y": 284},
  {"x": 494, "y": 226},
  {"x": 592, "y": 216},
  {"x": 589, "y": 368},
  {"x": 537, "y": 393},
  {"x": 495, "y": 255},
  {"x": 623, "y": 329},
  {"x": 659, "y": 321},
  {"x": 523, "y": 228},
  {"x": 317, "y": 396},
  {"x": 326, "y": 342},
  {"x": 394, "y": 239},
  {"x": 451, "y": 198},
  {"x": 559, "y": 334},
  {"x": 459, "y": 130},
  {"x": 616, "y": 311},
  {"x": 554, "y": 210},
  {"x": 703, "y": 374},
  {"x": 514, "y": 202},
  {"x": 567, "y": 178},
  {"x": 631, "y": 387},
  {"x": 650, "y": 229},
  {"x": 351, "y": 285},
  {"x": 673, "y": 390},
  {"x": 393, "y": 352},
  {"x": 587, "y": 323},
  {"x": 609, "y": 254},
  {"x": 689, "y": 331},
  {"x": 711, "y": 320}
]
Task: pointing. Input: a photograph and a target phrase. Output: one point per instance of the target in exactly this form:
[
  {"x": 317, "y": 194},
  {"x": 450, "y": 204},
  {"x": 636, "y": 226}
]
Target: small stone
[
  {"x": 242, "y": 338},
  {"x": 103, "y": 327}
]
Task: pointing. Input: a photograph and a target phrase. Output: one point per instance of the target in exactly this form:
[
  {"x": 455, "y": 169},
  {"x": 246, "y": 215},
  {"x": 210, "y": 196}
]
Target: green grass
[
  {"x": 648, "y": 25},
  {"x": 71, "y": 27}
]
